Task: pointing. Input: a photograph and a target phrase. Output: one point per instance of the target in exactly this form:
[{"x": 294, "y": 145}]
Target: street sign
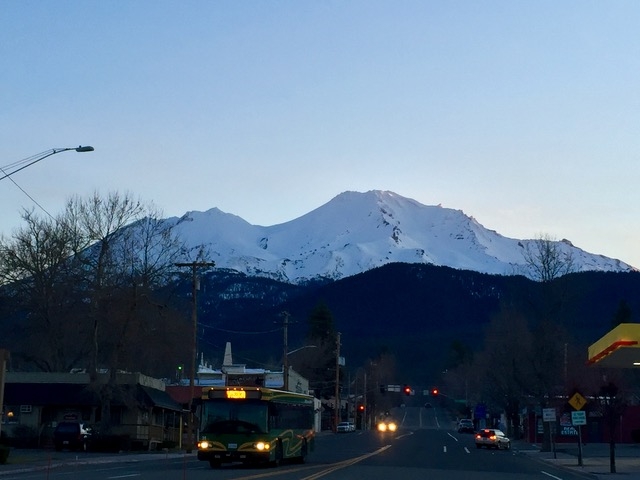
[
  {"x": 579, "y": 418},
  {"x": 548, "y": 414},
  {"x": 577, "y": 401}
]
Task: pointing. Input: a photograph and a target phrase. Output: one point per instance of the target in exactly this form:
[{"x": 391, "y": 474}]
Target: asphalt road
[{"x": 425, "y": 446}]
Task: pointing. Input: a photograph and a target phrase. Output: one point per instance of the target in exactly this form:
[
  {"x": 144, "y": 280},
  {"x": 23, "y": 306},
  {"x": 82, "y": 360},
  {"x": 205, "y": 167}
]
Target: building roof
[
  {"x": 45, "y": 394},
  {"x": 78, "y": 395},
  {"x": 619, "y": 348},
  {"x": 160, "y": 398}
]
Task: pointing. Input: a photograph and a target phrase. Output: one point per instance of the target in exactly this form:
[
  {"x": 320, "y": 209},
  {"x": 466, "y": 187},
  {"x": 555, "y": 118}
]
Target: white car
[
  {"x": 492, "y": 438},
  {"x": 345, "y": 427}
]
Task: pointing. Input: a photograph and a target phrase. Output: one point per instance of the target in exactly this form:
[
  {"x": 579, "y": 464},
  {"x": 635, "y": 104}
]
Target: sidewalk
[
  {"x": 26, "y": 460},
  {"x": 595, "y": 458}
]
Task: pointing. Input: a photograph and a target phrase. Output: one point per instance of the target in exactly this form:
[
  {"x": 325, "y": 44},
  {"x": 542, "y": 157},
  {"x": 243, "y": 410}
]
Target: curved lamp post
[{"x": 40, "y": 156}]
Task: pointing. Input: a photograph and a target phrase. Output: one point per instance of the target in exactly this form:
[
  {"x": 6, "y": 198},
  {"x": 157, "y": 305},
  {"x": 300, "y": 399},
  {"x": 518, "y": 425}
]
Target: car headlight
[
  {"x": 382, "y": 427},
  {"x": 392, "y": 427},
  {"x": 262, "y": 446},
  {"x": 203, "y": 444}
]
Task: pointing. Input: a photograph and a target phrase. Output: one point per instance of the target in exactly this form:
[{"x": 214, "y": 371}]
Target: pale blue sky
[{"x": 523, "y": 114}]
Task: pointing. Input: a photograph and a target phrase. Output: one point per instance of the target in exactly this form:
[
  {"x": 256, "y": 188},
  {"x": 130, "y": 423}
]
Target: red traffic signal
[
  {"x": 407, "y": 390},
  {"x": 361, "y": 408},
  {"x": 434, "y": 391}
]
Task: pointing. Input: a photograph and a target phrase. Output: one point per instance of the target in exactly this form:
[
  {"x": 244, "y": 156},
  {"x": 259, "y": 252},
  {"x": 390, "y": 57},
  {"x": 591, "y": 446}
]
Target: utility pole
[
  {"x": 194, "y": 346},
  {"x": 4, "y": 358},
  {"x": 285, "y": 367},
  {"x": 364, "y": 402},
  {"x": 336, "y": 420}
]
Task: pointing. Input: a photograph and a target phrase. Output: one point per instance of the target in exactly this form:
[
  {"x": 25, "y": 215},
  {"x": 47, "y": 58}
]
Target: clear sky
[{"x": 523, "y": 114}]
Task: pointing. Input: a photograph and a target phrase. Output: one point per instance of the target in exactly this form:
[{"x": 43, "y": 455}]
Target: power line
[{"x": 8, "y": 175}]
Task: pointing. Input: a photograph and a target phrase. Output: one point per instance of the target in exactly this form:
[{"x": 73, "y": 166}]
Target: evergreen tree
[{"x": 622, "y": 315}]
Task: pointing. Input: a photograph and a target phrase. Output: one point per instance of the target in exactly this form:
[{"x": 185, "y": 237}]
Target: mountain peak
[{"x": 355, "y": 232}]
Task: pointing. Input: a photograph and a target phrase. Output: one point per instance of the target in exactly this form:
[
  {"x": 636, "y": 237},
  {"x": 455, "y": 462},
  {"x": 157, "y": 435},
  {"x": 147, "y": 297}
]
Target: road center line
[
  {"x": 549, "y": 475},
  {"x": 345, "y": 463}
]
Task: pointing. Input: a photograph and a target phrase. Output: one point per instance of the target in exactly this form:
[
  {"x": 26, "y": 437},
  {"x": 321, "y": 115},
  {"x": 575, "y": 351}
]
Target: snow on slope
[{"x": 355, "y": 232}]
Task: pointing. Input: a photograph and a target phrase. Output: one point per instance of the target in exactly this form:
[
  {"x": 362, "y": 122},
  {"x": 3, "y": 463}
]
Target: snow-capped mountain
[{"x": 355, "y": 232}]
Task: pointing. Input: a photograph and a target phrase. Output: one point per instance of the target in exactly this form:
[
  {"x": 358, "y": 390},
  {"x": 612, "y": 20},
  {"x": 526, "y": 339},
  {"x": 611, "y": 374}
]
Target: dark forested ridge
[{"x": 412, "y": 311}]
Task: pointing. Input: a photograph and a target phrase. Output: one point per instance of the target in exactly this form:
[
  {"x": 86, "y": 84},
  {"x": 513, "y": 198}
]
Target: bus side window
[{"x": 273, "y": 417}]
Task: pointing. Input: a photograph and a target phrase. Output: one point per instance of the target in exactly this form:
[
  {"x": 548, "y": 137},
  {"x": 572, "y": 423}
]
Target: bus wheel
[
  {"x": 278, "y": 455},
  {"x": 215, "y": 463},
  {"x": 303, "y": 453}
]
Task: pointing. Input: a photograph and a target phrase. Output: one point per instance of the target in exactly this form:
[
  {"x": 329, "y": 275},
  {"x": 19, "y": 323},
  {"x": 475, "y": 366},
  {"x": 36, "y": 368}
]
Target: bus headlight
[
  {"x": 203, "y": 444},
  {"x": 262, "y": 446}
]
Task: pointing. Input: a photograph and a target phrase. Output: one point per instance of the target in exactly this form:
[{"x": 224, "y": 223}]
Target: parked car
[
  {"x": 345, "y": 427},
  {"x": 492, "y": 438},
  {"x": 72, "y": 435},
  {"x": 465, "y": 425}
]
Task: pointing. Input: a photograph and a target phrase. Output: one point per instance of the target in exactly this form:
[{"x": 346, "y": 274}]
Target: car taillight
[
  {"x": 492, "y": 437},
  {"x": 478, "y": 436}
]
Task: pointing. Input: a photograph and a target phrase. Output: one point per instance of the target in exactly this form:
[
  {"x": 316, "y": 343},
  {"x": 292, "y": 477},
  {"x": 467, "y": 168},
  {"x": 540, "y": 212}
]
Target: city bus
[{"x": 254, "y": 425}]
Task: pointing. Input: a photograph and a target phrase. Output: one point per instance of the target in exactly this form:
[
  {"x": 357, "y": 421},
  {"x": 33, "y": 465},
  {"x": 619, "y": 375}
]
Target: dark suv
[{"x": 72, "y": 435}]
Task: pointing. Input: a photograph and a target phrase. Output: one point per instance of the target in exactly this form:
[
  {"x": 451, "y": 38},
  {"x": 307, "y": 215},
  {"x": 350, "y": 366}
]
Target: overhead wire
[
  {"x": 24, "y": 161},
  {"x": 8, "y": 175}
]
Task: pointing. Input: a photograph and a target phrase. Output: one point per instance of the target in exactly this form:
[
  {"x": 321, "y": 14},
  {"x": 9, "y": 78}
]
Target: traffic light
[
  {"x": 434, "y": 392},
  {"x": 407, "y": 390},
  {"x": 361, "y": 408}
]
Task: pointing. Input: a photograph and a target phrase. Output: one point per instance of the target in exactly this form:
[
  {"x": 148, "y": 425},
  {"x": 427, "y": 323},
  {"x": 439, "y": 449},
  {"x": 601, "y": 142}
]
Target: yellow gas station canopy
[{"x": 620, "y": 348}]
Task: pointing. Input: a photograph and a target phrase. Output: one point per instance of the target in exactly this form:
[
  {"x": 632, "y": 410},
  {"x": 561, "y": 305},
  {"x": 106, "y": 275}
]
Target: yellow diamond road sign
[{"x": 577, "y": 401}]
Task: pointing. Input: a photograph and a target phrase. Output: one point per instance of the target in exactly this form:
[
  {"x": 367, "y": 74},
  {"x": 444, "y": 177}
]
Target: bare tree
[
  {"x": 88, "y": 283},
  {"x": 35, "y": 269},
  {"x": 547, "y": 259},
  {"x": 505, "y": 363},
  {"x": 126, "y": 253}
]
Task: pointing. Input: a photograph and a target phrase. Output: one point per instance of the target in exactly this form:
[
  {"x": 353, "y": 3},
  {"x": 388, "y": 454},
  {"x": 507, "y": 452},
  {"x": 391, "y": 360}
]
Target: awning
[{"x": 619, "y": 348}]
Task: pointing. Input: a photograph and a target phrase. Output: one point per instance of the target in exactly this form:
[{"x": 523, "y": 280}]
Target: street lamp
[
  {"x": 301, "y": 348},
  {"x": 22, "y": 164}
]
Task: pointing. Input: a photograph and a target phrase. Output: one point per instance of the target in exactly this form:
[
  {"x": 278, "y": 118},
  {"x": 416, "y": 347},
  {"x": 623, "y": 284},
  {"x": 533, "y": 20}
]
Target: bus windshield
[{"x": 220, "y": 416}]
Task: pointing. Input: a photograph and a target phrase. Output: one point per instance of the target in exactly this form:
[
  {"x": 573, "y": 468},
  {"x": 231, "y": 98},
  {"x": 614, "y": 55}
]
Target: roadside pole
[
  {"x": 578, "y": 418},
  {"x": 580, "y": 445},
  {"x": 549, "y": 415},
  {"x": 4, "y": 356}
]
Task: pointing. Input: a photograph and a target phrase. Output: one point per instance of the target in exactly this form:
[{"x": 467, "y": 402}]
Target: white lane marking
[
  {"x": 549, "y": 475},
  {"x": 466, "y": 450},
  {"x": 127, "y": 476},
  {"x": 444, "y": 448},
  {"x": 453, "y": 437}
]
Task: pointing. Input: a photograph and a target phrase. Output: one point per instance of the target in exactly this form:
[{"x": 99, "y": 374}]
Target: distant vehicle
[
  {"x": 345, "y": 427},
  {"x": 72, "y": 435},
  {"x": 492, "y": 438},
  {"x": 387, "y": 425},
  {"x": 466, "y": 426}
]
